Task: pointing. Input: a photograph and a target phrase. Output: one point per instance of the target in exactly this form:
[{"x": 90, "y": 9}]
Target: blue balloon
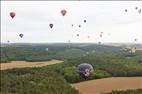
[
  {"x": 46, "y": 49},
  {"x": 33, "y": 46}
]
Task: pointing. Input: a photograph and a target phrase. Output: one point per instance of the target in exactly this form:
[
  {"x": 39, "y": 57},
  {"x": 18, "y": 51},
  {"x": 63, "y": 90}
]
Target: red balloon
[
  {"x": 51, "y": 25},
  {"x": 12, "y": 14},
  {"x": 63, "y": 12}
]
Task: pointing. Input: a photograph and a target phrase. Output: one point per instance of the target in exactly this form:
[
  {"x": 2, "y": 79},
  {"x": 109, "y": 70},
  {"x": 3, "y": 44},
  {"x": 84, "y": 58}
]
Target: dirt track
[
  {"x": 108, "y": 84},
  {"x": 22, "y": 64}
]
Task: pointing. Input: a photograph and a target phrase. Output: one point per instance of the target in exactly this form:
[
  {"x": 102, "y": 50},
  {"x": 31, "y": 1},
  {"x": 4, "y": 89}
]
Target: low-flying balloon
[
  {"x": 51, "y": 25},
  {"x": 33, "y": 45},
  {"x": 12, "y": 14},
  {"x": 63, "y": 12},
  {"x": 46, "y": 49},
  {"x": 21, "y": 35},
  {"x": 85, "y": 70}
]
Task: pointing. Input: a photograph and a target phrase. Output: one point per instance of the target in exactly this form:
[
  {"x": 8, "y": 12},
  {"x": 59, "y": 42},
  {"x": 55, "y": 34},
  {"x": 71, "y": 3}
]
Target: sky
[{"x": 33, "y": 18}]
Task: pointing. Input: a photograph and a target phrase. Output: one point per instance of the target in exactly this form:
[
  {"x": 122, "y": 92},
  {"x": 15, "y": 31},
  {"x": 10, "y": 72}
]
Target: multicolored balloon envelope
[{"x": 85, "y": 70}]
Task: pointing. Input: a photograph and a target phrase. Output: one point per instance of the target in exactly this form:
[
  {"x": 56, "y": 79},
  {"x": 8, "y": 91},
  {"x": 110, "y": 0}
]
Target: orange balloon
[{"x": 63, "y": 12}]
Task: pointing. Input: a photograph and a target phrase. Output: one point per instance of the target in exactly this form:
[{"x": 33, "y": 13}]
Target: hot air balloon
[
  {"x": 34, "y": 46},
  {"x": 126, "y": 10},
  {"x": 136, "y": 8},
  {"x": 139, "y": 11},
  {"x": 84, "y": 21},
  {"x": 46, "y": 49},
  {"x": 63, "y": 12},
  {"x": 51, "y": 25},
  {"x": 8, "y": 41},
  {"x": 88, "y": 37},
  {"x": 99, "y": 43},
  {"x": 77, "y": 35},
  {"x": 12, "y": 14},
  {"x": 85, "y": 70},
  {"x": 21, "y": 35},
  {"x": 135, "y": 39}
]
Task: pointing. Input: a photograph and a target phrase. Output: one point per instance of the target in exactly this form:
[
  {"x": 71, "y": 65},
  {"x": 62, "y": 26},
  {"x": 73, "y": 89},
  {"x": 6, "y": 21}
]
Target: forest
[{"x": 107, "y": 61}]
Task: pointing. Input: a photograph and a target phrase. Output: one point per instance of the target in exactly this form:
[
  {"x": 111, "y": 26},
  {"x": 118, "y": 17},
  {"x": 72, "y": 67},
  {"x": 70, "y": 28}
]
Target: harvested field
[
  {"x": 22, "y": 64},
  {"x": 108, "y": 84}
]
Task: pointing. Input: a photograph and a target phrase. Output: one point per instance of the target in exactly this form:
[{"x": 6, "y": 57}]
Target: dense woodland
[{"x": 107, "y": 61}]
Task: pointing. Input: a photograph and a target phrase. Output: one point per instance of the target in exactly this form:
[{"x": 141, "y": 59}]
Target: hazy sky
[{"x": 33, "y": 18}]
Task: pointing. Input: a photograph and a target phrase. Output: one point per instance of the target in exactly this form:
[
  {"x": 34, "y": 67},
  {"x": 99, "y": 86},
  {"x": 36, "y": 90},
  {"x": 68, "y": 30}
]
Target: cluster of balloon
[
  {"x": 85, "y": 70},
  {"x": 63, "y": 12},
  {"x": 21, "y": 35},
  {"x": 12, "y": 14},
  {"x": 101, "y": 34},
  {"x": 51, "y": 26},
  {"x": 46, "y": 49},
  {"x": 139, "y": 11}
]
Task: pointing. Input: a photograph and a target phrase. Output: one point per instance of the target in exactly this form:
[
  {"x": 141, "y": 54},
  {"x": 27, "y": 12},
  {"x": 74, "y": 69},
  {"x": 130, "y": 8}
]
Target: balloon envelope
[
  {"x": 85, "y": 69},
  {"x": 139, "y": 11},
  {"x": 51, "y": 25},
  {"x": 21, "y": 35},
  {"x": 12, "y": 14},
  {"x": 46, "y": 49},
  {"x": 126, "y": 10},
  {"x": 33, "y": 46},
  {"x": 63, "y": 12}
]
